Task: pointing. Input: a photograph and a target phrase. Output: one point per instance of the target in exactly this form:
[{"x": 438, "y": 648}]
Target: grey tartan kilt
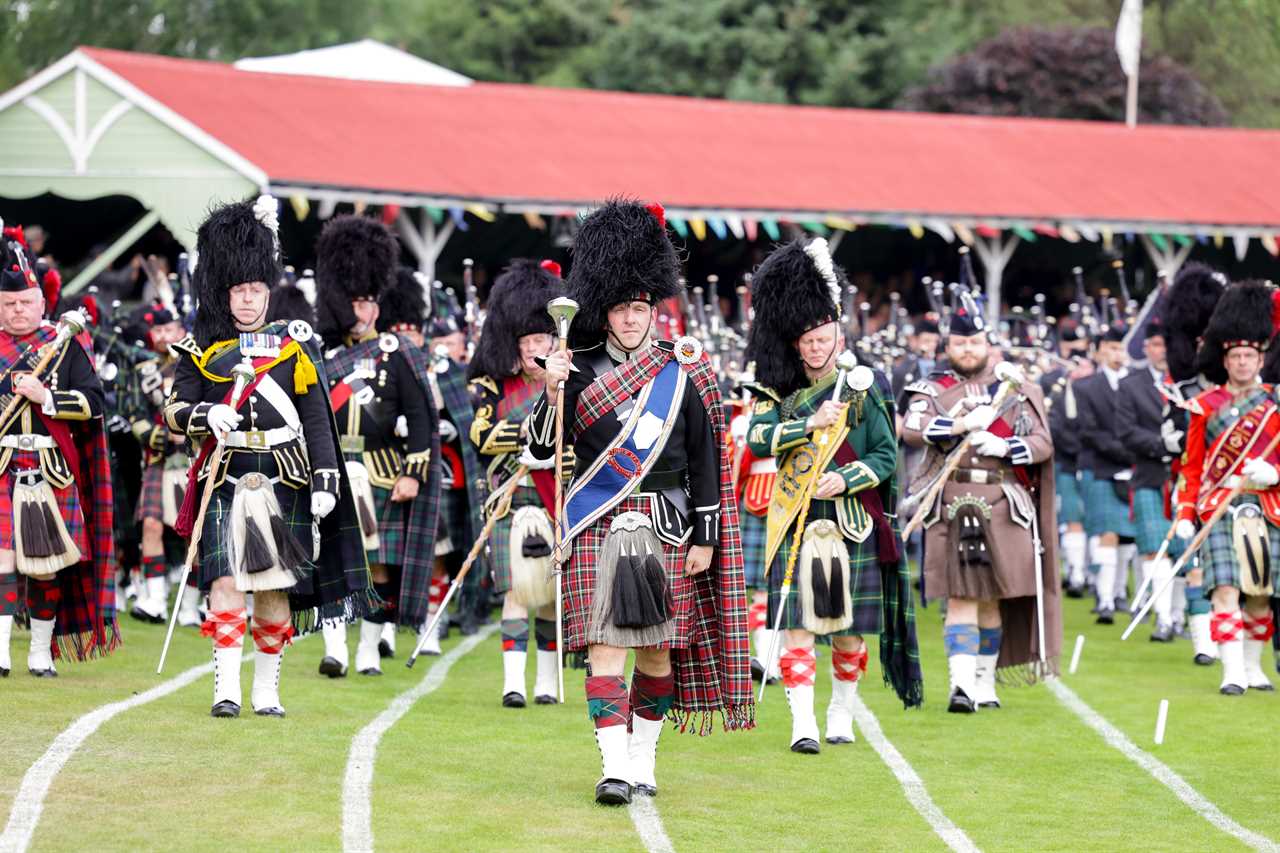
[
  {"x": 863, "y": 580},
  {"x": 500, "y": 538},
  {"x": 753, "y": 540},
  {"x": 295, "y": 509},
  {"x": 1104, "y": 511},
  {"x": 1218, "y": 557}
]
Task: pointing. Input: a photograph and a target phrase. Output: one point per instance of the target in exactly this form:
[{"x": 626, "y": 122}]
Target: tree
[{"x": 1062, "y": 73}]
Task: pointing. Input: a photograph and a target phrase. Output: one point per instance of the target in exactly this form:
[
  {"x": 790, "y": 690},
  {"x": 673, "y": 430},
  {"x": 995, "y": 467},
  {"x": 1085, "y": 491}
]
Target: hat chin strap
[
  {"x": 613, "y": 342},
  {"x": 258, "y": 324}
]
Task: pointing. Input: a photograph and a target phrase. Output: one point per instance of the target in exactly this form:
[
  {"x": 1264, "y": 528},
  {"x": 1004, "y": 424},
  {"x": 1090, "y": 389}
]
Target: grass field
[{"x": 458, "y": 772}]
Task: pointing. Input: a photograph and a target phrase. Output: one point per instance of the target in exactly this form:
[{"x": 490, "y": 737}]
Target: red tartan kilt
[
  {"x": 151, "y": 495},
  {"x": 68, "y": 504},
  {"x": 580, "y": 580}
]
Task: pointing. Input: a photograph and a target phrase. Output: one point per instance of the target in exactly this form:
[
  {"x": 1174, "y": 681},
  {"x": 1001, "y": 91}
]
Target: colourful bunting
[
  {"x": 1158, "y": 241},
  {"x": 963, "y": 232},
  {"x": 479, "y": 211},
  {"x": 301, "y": 207},
  {"x": 699, "y": 227},
  {"x": 679, "y": 225},
  {"x": 816, "y": 228},
  {"x": 749, "y": 226},
  {"x": 771, "y": 228},
  {"x": 436, "y": 214},
  {"x": 1025, "y": 233},
  {"x": 1066, "y": 232},
  {"x": 916, "y": 229},
  {"x": 535, "y": 221},
  {"x": 1182, "y": 239},
  {"x": 1268, "y": 242},
  {"x": 718, "y": 226},
  {"x": 459, "y": 219},
  {"x": 390, "y": 213}
]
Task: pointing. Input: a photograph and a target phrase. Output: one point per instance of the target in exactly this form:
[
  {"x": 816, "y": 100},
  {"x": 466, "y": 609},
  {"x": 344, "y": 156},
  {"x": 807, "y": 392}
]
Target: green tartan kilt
[
  {"x": 1069, "y": 495},
  {"x": 500, "y": 538},
  {"x": 753, "y": 541},
  {"x": 391, "y": 523},
  {"x": 1104, "y": 511},
  {"x": 295, "y": 509},
  {"x": 1217, "y": 555},
  {"x": 1150, "y": 525},
  {"x": 864, "y": 583}
]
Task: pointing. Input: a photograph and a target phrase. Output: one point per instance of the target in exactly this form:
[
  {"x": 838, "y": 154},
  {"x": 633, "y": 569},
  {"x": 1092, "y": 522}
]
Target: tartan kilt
[
  {"x": 1070, "y": 497},
  {"x": 151, "y": 495},
  {"x": 500, "y": 538},
  {"x": 1150, "y": 525},
  {"x": 1104, "y": 511},
  {"x": 579, "y": 581},
  {"x": 753, "y": 541},
  {"x": 864, "y": 581},
  {"x": 68, "y": 500},
  {"x": 1217, "y": 555},
  {"x": 295, "y": 509},
  {"x": 453, "y": 522},
  {"x": 391, "y": 524}
]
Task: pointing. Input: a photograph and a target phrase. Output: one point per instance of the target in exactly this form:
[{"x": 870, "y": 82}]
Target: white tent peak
[{"x": 358, "y": 60}]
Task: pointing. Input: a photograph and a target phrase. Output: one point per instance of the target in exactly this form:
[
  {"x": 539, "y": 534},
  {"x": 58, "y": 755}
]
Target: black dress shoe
[
  {"x": 371, "y": 671},
  {"x": 1265, "y": 688},
  {"x": 805, "y": 746},
  {"x": 384, "y": 649},
  {"x": 225, "y": 708},
  {"x": 645, "y": 791},
  {"x": 960, "y": 703},
  {"x": 982, "y": 705},
  {"x": 613, "y": 792},
  {"x": 273, "y": 711},
  {"x": 44, "y": 673},
  {"x": 1231, "y": 690},
  {"x": 512, "y": 700},
  {"x": 839, "y": 739},
  {"x": 544, "y": 699},
  {"x": 1106, "y": 617},
  {"x": 1075, "y": 591},
  {"x": 1202, "y": 659},
  {"x": 333, "y": 668},
  {"x": 1162, "y": 634},
  {"x": 757, "y": 670},
  {"x": 4, "y": 673}
]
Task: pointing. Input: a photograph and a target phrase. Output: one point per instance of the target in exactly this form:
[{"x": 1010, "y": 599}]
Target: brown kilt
[
  {"x": 580, "y": 580},
  {"x": 1012, "y": 553}
]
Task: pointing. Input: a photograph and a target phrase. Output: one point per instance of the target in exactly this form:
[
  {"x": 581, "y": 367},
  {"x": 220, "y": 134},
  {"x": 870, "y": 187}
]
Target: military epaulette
[
  {"x": 485, "y": 382},
  {"x": 188, "y": 345},
  {"x": 762, "y": 391},
  {"x": 923, "y": 386}
]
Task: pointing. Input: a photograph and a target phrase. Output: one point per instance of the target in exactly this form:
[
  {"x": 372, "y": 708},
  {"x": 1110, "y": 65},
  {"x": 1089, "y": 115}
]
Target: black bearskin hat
[
  {"x": 795, "y": 289},
  {"x": 403, "y": 305},
  {"x": 1242, "y": 317},
  {"x": 517, "y": 307},
  {"x": 1187, "y": 309},
  {"x": 447, "y": 316},
  {"x": 621, "y": 253},
  {"x": 237, "y": 243},
  {"x": 356, "y": 258},
  {"x": 289, "y": 302}
]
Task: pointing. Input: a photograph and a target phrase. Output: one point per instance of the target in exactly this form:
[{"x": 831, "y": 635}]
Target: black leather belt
[
  {"x": 978, "y": 476},
  {"x": 659, "y": 481}
]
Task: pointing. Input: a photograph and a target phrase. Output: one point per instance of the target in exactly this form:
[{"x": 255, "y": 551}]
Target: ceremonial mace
[
  {"x": 243, "y": 374},
  {"x": 846, "y": 363},
  {"x": 562, "y": 310},
  {"x": 1010, "y": 379},
  {"x": 500, "y": 503},
  {"x": 1202, "y": 534},
  {"x": 71, "y": 324}
]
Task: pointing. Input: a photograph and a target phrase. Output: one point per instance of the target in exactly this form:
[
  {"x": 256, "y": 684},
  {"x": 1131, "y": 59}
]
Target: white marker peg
[
  {"x": 1075, "y": 656},
  {"x": 1162, "y": 717}
]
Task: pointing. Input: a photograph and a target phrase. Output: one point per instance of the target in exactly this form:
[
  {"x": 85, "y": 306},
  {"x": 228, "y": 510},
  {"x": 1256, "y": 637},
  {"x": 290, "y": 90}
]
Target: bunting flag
[
  {"x": 1182, "y": 239},
  {"x": 1066, "y": 232},
  {"x": 1241, "y": 241},
  {"x": 479, "y": 211},
  {"x": 327, "y": 207},
  {"x": 361, "y": 206},
  {"x": 436, "y": 214},
  {"x": 1088, "y": 232},
  {"x": 1106, "y": 238},
  {"x": 390, "y": 213},
  {"x": 1268, "y": 242},
  {"x": 535, "y": 221},
  {"x": 840, "y": 223},
  {"x": 718, "y": 226},
  {"x": 962, "y": 231},
  {"x": 916, "y": 229},
  {"x": 459, "y": 219},
  {"x": 1045, "y": 230},
  {"x": 749, "y": 226},
  {"x": 942, "y": 229},
  {"x": 301, "y": 207},
  {"x": 1158, "y": 241},
  {"x": 1025, "y": 233},
  {"x": 771, "y": 228},
  {"x": 677, "y": 223},
  {"x": 988, "y": 231},
  {"x": 699, "y": 228},
  {"x": 1219, "y": 239},
  {"x": 816, "y": 228},
  {"x": 735, "y": 226}
]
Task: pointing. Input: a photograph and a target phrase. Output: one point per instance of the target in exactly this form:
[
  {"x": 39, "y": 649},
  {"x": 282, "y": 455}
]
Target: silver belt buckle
[
  {"x": 26, "y": 442},
  {"x": 978, "y": 476},
  {"x": 255, "y": 438},
  {"x": 351, "y": 443}
]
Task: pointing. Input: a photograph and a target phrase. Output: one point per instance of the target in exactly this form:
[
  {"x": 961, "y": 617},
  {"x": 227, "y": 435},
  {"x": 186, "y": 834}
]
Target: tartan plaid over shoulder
[{"x": 713, "y": 674}]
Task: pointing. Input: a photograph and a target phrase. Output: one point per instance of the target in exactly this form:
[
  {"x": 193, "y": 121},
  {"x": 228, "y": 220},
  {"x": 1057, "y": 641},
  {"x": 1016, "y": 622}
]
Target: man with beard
[
  {"x": 1140, "y": 416},
  {"x": 992, "y": 526}
]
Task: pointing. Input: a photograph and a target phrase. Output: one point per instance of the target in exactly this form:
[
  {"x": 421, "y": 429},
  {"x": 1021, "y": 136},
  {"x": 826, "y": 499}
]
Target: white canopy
[{"x": 360, "y": 60}]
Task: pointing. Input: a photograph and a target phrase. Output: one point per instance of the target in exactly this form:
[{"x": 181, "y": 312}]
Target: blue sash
[{"x": 625, "y": 462}]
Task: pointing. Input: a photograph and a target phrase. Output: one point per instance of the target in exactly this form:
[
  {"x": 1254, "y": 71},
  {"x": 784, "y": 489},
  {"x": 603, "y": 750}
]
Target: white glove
[
  {"x": 1184, "y": 530},
  {"x": 402, "y": 427},
  {"x": 1172, "y": 437},
  {"x": 322, "y": 503},
  {"x": 1261, "y": 473},
  {"x": 738, "y": 428},
  {"x": 222, "y": 419},
  {"x": 448, "y": 432},
  {"x": 987, "y": 444},
  {"x": 979, "y": 418}
]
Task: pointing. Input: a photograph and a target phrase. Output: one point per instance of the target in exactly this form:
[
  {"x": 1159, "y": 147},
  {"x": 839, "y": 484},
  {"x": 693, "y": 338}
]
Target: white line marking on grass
[
  {"x": 644, "y": 814},
  {"x": 29, "y": 802},
  {"x": 1162, "y": 773},
  {"x": 912, "y": 784},
  {"x": 357, "y": 784}
]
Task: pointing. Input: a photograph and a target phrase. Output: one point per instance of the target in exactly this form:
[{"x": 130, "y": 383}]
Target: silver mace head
[
  {"x": 846, "y": 366},
  {"x": 73, "y": 322},
  {"x": 562, "y": 310},
  {"x": 243, "y": 373}
]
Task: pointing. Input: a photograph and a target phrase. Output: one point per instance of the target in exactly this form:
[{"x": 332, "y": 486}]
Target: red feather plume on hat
[
  {"x": 551, "y": 267},
  {"x": 51, "y": 285}
]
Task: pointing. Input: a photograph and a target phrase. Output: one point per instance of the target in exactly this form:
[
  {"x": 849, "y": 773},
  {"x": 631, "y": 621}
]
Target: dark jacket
[
  {"x": 1101, "y": 450},
  {"x": 1140, "y": 413}
]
